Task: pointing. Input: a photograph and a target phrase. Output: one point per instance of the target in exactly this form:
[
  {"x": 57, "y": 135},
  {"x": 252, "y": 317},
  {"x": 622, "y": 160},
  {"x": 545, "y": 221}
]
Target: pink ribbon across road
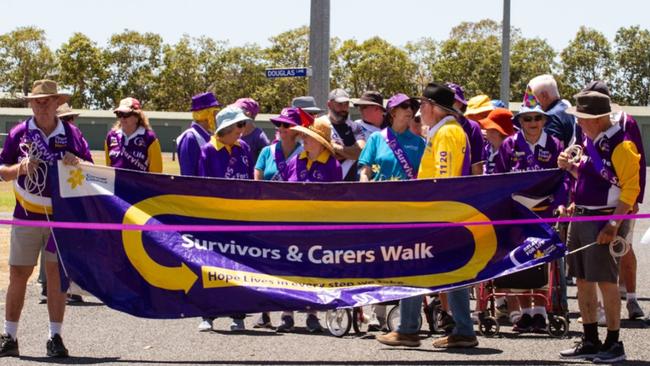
[{"x": 308, "y": 227}]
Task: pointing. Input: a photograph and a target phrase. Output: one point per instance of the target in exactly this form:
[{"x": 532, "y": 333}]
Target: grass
[{"x": 8, "y": 201}]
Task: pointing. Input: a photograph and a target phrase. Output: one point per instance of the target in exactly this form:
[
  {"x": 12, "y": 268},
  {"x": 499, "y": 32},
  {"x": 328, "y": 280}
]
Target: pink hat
[
  {"x": 128, "y": 105},
  {"x": 249, "y": 105}
]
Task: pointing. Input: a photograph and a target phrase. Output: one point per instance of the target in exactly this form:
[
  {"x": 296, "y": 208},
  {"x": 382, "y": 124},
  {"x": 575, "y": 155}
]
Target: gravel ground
[{"x": 96, "y": 334}]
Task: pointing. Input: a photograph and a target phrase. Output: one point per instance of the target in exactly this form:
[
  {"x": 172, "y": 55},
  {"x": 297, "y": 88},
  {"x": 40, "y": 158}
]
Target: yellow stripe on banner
[
  {"x": 34, "y": 207},
  {"x": 270, "y": 211}
]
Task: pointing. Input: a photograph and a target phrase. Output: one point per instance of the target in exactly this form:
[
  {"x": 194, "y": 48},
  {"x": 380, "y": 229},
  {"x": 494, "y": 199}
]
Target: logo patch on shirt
[
  {"x": 544, "y": 156},
  {"x": 138, "y": 141},
  {"x": 113, "y": 141}
]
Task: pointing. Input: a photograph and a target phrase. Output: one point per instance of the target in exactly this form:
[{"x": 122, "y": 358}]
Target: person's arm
[
  {"x": 477, "y": 168},
  {"x": 155, "y": 157},
  {"x": 349, "y": 152},
  {"x": 365, "y": 174}
]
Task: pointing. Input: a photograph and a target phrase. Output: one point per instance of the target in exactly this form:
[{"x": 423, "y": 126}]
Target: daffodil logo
[
  {"x": 76, "y": 178},
  {"x": 539, "y": 254}
]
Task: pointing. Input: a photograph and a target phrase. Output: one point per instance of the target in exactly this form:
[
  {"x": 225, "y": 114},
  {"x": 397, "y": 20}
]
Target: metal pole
[
  {"x": 319, "y": 51},
  {"x": 505, "y": 54}
]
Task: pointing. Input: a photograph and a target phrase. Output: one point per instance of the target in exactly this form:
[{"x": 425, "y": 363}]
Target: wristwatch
[{"x": 612, "y": 223}]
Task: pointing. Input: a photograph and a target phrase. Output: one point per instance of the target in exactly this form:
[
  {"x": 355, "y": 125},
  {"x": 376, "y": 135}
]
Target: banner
[{"x": 251, "y": 246}]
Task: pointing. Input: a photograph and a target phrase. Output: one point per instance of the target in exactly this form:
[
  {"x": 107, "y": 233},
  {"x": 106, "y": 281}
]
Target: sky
[{"x": 254, "y": 21}]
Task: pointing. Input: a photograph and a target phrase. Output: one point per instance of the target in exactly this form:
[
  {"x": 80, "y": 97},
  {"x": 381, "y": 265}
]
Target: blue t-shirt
[
  {"x": 266, "y": 161},
  {"x": 379, "y": 156}
]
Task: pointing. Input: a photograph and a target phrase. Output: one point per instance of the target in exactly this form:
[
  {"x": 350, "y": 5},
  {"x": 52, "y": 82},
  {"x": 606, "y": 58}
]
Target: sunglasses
[
  {"x": 536, "y": 118},
  {"x": 124, "y": 115},
  {"x": 241, "y": 124},
  {"x": 283, "y": 124}
]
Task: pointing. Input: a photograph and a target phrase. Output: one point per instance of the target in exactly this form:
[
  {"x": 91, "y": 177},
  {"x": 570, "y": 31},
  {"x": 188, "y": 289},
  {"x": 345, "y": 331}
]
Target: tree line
[{"x": 165, "y": 76}]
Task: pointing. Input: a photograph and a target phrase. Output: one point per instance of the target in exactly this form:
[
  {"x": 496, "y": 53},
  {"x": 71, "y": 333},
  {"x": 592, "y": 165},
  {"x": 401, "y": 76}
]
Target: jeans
[{"x": 411, "y": 308}]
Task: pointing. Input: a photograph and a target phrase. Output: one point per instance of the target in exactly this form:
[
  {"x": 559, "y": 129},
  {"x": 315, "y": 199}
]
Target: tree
[
  {"x": 24, "y": 58},
  {"x": 632, "y": 57},
  {"x": 529, "y": 58},
  {"x": 179, "y": 77},
  {"x": 373, "y": 65},
  {"x": 81, "y": 69},
  {"x": 238, "y": 72},
  {"x": 423, "y": 54},
  {"x": 133, "y": 60},
  {"x": 588, "y": 57}
]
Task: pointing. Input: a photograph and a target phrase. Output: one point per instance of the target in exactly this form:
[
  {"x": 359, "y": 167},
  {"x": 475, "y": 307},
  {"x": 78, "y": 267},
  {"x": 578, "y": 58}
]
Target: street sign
[{"x": 297, "y": 72}]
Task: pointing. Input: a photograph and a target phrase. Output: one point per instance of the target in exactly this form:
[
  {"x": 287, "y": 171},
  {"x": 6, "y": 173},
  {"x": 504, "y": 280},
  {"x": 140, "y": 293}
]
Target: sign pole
[{"x": 319, "y": 51}]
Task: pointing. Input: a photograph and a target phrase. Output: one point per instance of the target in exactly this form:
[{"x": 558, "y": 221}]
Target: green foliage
[
  {"x": 81, "y": 69},
  {"x": 24, "y": 58},
  {"x": 632, "y": 56},
  {"x": 588, "y": 57},
  {"x": 528, "y": 58}
]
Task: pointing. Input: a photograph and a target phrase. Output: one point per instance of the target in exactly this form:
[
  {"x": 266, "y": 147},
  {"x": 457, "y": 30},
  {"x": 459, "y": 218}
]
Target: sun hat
[
  {"x": 592, "y": 104},
  {"x": 478, "y": 104},
  {"x": 47, "y": 88},
  {"x": 128, "y": 105},
  {"x": 370, "y": 98},
  {"x": 440, "y": 95},
  {"x": 230, "y": 116},
  {"x": 459, "y": 93},
  {"x": 293, "y": 116},
  {"x": 499, "y": 119},
  {"x": 339, "y": 96},
  {"x": 400, "y": 98},
  {"x": 249, "y": 105},
  {"x": 204, "y": 101},
  {"x": 307, "y": 103},
  {"x": 64, "y": 110},
  {"x": 320, "y": 130}
]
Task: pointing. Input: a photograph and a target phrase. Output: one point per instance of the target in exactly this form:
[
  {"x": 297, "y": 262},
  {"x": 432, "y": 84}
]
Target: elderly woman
[
  {"x": 393, "y": 153},
  {"x": 272, "y": 162},
  {"x": 497, "y": 126},
  {"x": 131, "y": 143},
  {"x": 252, "y": 135},
  {"x": 531, "y": 149},
  {"x": 227, "y": 156},
  {"x": 317, "y": 163}
]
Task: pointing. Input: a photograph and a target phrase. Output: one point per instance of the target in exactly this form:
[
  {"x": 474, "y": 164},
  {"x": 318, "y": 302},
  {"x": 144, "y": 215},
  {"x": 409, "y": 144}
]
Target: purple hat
[
  {"x": 288, "y": 115},
  {"x": 400, "y": 98},
  {"x": 204, "y": 101},
  {"x": 249, "y": 105},
  {"x": 459, "y": 93}
]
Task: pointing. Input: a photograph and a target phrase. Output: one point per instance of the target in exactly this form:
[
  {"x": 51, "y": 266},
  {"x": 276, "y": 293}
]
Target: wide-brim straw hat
[
  {"x": 320, "y": 130},
  {"x": 47, "y": 88},
  {"x": 64, "y": 110}
]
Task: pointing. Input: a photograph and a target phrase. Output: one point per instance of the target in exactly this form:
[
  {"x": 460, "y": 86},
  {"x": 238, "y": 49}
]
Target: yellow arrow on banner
[{"x": 168, "y": 278}]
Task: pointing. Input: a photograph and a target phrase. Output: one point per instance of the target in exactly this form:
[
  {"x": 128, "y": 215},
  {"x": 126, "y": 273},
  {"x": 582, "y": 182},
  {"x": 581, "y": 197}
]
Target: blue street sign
[{"x": 298, "y": 72}]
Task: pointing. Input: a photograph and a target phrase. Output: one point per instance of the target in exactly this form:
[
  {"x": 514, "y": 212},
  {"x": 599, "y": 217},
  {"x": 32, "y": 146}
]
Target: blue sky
[{"x": 245, "y": 21}]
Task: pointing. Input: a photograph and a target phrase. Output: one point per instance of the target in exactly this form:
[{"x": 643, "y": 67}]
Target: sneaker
[
  {"x": 634, "y": 311},
  {"x": 398, "y": 339},
  {"x": 55, "y": 347},
  {"x": 74, "y": 299},
  {"x": 264, "y": 321},
  {"x": 539, "y": 323},
  {"x": 446, "y": 322},
  {"x": 455, "y": 341},
  {"x": 237, "y": 325},
  {"x": 286, "y": 324},
  {"x": 622, "y": 292},
  {"x": 524, "y": 325},
  {"x": 42, "y": 298},
  {"x": 205, "y": 325},
  {"x": 583, "y": 349},
  {"x": 374, "y": 325},
  {"x": 615, "y": 353},
  {"x": 8, "y": 346},
  {"x": 313, "y": 325}
]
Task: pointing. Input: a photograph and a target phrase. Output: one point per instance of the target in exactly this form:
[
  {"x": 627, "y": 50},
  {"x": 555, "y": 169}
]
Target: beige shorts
[{"x": 26, "y": 243}]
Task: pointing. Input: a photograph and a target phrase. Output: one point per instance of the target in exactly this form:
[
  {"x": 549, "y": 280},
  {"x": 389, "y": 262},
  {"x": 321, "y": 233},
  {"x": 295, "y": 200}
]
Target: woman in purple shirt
[
  {"x": 317, "y": 163},
  {"x": 131, "y": 143},
  {"x": 252, "y": 135}
]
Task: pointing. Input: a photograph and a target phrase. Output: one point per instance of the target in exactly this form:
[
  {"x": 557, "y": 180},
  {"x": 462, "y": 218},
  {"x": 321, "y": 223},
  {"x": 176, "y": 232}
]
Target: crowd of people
[{"x": 436, "y": 134}]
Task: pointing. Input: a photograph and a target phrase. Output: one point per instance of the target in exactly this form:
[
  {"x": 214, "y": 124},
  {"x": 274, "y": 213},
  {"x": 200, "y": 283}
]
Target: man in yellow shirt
[{"x": 446, "y": 155}]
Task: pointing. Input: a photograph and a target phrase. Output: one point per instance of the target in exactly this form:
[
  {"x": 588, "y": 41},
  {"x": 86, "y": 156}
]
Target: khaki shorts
[{"x": 26, "y": 243}]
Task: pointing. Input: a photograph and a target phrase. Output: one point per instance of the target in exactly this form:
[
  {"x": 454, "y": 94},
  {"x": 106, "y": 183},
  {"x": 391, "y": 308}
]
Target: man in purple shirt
[
  {"x": 46, "y": 136},
  {"x": 188, "y": 143}
]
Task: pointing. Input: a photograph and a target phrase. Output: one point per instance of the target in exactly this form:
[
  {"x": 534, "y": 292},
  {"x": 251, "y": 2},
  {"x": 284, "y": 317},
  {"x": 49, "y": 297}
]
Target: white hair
[{"x": 544, "y": 83}]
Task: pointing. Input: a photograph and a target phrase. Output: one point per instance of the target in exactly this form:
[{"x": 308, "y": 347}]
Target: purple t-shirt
[
  {"x": 476, "y": 142},
  {"x": 65, "y": 137},
  {"x": 256, "y": 140},
  {"x": 129, "y": 153},
  {"x": 330, "y": 171},
  {"x": 631, "y": 128},
  {"x": 219, "y": 163},
  {"x": 188, "y": 146}
]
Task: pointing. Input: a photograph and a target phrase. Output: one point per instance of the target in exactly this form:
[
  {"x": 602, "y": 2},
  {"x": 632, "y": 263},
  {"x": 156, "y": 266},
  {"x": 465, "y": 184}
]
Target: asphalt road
[{"x": 95, "y": 334}]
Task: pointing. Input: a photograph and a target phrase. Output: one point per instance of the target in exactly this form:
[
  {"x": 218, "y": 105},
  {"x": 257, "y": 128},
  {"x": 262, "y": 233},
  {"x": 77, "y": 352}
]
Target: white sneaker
[
  {"x": 237, "y": 325},
  {"x": 205, "y": 325}
]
